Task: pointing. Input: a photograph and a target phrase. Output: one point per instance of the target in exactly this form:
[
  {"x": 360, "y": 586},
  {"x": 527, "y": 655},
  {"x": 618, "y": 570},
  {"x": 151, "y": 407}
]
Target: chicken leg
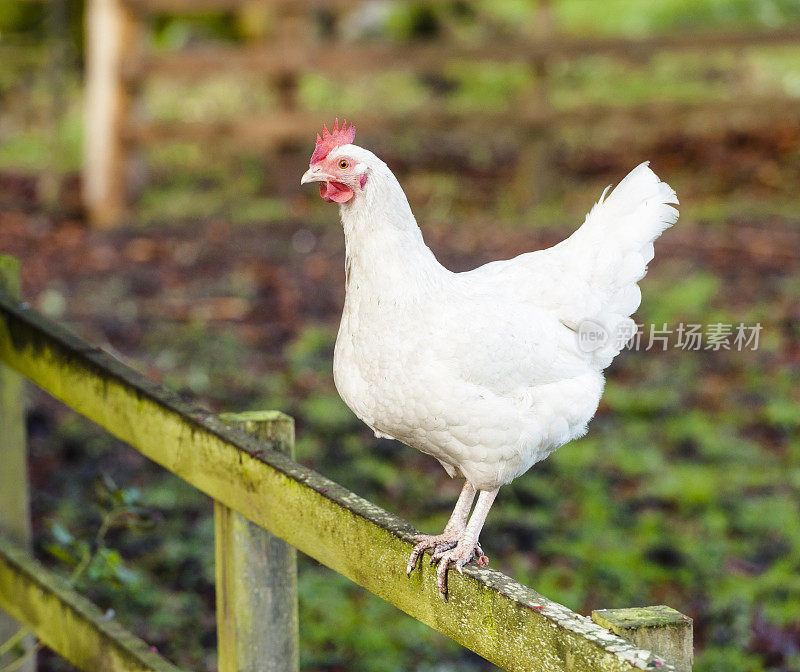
[
  {"x": 449, "y": 538},
  {"x": 467, "y": 545}
]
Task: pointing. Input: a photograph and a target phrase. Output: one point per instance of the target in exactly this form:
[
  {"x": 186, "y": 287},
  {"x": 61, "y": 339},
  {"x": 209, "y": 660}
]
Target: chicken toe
[
  {"x": 437, "y": 542},
  {"x": 458, "y": 557}
]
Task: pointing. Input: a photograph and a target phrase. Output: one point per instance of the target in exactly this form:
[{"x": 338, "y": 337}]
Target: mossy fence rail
[{"x": 259, "y": 491}]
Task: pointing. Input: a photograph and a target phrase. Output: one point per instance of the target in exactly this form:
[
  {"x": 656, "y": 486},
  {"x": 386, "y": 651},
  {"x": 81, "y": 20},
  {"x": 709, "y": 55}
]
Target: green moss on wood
[
  {"x": 14, "y": 512},
  {"x": 489, "y": 613},
  {"x": 256, "y": 574},
  {"x": 254, "y": 416},
  {"x": 632, "y": 618},
  {"x": 14, "y": 500},
  {"x": 67, "y": 623},
  {"x": 274, "y": 427},
  {"x": 659, "y": 628},
  {"x": 10, "y": 282}
]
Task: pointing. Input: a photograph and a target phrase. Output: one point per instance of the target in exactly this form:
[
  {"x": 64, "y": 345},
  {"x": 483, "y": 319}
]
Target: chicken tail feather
[{"x": 615, "y": 245}]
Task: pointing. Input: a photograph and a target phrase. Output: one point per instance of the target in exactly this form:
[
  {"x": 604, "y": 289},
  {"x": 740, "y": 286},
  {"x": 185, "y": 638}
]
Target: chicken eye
[{"x": 343, "y": 164}]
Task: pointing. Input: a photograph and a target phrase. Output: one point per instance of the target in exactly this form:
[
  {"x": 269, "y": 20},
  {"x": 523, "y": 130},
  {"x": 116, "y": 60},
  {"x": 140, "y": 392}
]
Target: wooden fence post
[
  {"x": 535, "y": 178},
  {"x": 15, "y": 522},
  {"x": 660, "y": 629},
  {"x": 110, "y": 38},
  {"x": 257, "y": 622},
  {"x": 290, "y": 23}
]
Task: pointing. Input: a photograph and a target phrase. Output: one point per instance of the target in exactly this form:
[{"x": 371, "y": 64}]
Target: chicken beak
[{"x": 313, "y": 175}]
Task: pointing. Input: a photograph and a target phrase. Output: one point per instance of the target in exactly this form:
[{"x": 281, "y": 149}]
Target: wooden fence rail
[
  {"x": 118, "y": 63},
  {"x": 15, "y": 520},
  {"x": 253, "y": 482},
  {"x": 66, "y": 622}
]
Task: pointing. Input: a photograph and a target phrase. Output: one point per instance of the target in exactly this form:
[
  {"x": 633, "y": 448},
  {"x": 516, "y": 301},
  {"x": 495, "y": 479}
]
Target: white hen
[{"x": 491, "y": 370}]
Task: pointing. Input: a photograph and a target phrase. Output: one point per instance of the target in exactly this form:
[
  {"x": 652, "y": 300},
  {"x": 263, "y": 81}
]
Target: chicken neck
[{"x": 384, "y": 248}]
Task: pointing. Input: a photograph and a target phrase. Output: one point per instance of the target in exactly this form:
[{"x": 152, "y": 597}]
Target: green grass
[
  {"x": 636, "y": 18},
  {"x": 46, "y": 144}
]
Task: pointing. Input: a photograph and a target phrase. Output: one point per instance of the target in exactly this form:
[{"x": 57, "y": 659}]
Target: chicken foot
[
  {"x": 452, "y": 532},
  {"x": 467, "y": 545}
]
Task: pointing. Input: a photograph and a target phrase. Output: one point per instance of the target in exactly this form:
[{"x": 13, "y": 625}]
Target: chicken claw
[
  {"x": 439, "y": 551},
  {"x": 459, "y": 556},
  {"x": 438, "y": 542}
]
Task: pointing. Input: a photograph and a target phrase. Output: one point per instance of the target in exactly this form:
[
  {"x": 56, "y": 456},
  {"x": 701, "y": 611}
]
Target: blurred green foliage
[
  {"x": 416, "y": 20},
  {"x": 664, "y": 501}
]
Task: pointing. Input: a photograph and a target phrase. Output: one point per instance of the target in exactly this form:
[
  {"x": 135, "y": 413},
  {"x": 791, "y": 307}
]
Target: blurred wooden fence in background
[{"x": 118, "y": 62}]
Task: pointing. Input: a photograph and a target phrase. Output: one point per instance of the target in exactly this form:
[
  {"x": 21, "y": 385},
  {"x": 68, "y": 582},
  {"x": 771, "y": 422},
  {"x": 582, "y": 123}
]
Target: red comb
[{"x": 332, "y": 139}]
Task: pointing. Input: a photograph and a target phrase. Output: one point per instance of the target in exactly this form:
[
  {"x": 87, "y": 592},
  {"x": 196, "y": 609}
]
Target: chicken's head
[{"x": 341, "y": 175}]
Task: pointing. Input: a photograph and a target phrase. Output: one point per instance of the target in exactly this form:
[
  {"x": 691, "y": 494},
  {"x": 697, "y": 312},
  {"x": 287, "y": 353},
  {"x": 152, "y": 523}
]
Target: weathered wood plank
[
  {"x": 711, "y": 119},
  {"x": 334, "y": 57},
  {"x": 659, "y": 628},
  {"x": 15, "y": 521},
  {"x": 14, "y": 504},
  {"x": 257, "y": 621},
  {"x": 488, "y": 612},
  {"x": 66, "y": 622},
  {"x": 179, "y": 6}
]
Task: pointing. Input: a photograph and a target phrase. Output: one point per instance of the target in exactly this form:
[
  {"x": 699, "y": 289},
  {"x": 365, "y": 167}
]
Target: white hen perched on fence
[{"x": 491, "y": 370}]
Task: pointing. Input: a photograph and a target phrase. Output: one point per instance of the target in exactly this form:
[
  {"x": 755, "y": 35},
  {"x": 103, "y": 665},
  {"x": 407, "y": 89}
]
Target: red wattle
[{"x": 335, "y": 191}]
